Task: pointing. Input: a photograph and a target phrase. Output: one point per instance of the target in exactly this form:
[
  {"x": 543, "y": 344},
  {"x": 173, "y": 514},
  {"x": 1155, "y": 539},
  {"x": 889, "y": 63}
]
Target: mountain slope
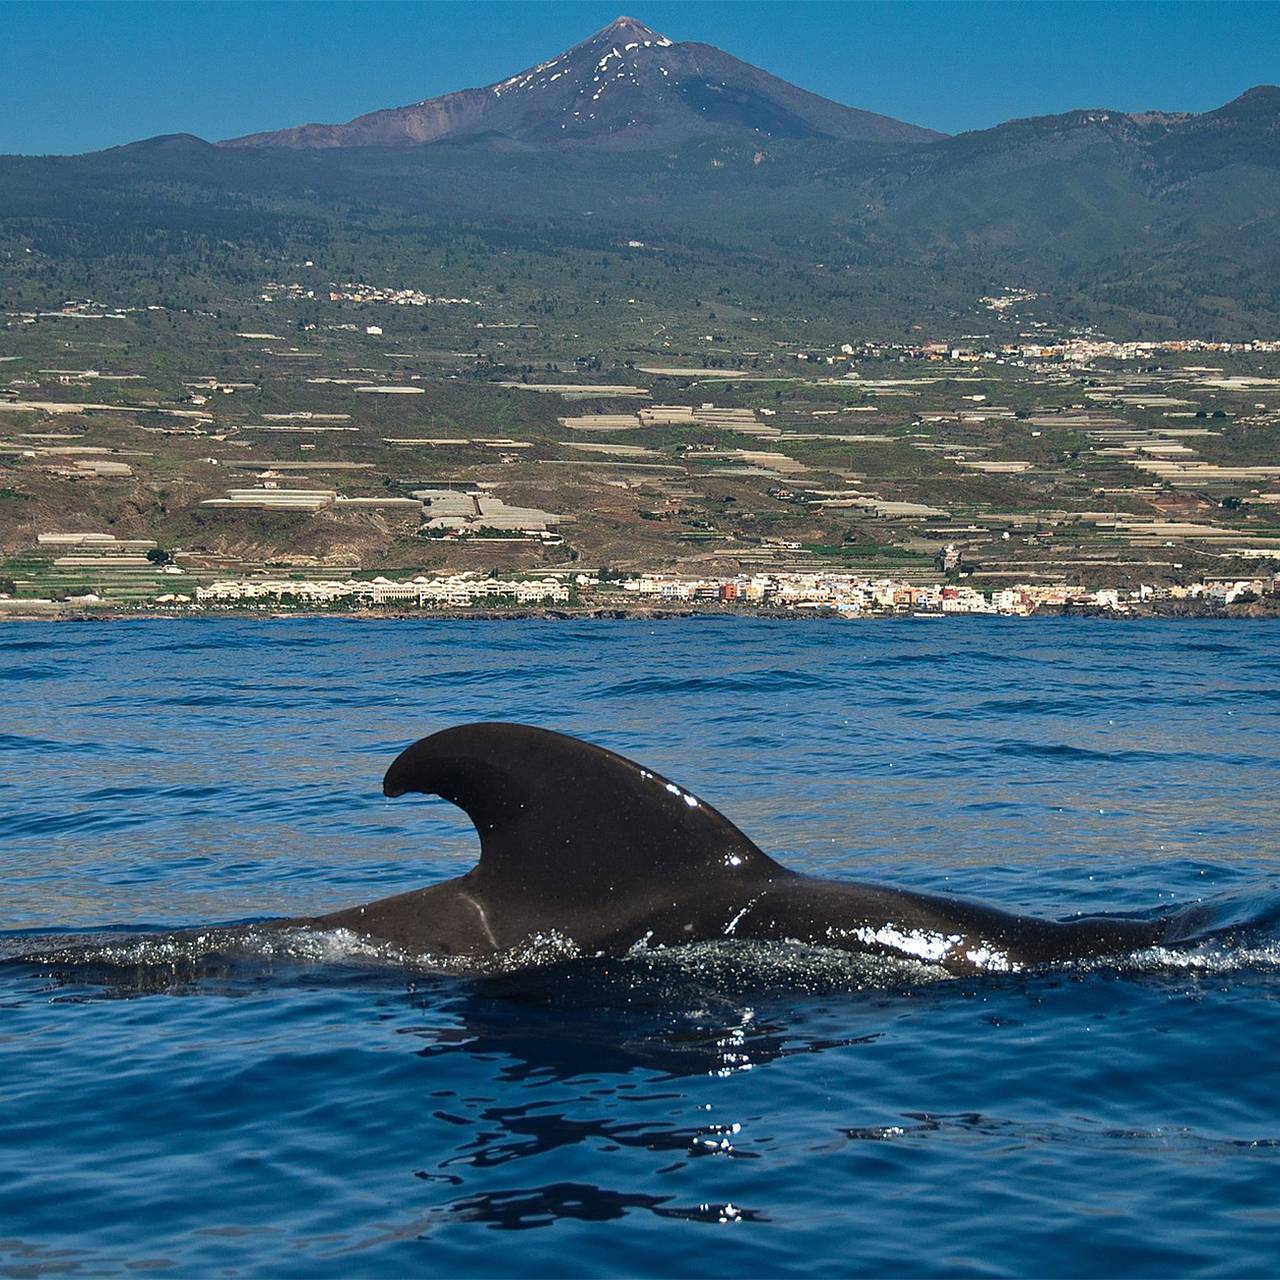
[
  {"x": 624, "y": 86},
  {"x": 1089, "y": 182},
  {"x": 1139, "y": 223}
]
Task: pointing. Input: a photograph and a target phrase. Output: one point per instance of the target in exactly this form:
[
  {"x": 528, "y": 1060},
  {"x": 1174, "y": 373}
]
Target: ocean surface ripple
[{"x": 306, "y": 1104}]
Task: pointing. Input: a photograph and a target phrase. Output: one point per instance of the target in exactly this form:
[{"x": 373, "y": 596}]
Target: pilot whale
[{"x": 581, "y": 844}]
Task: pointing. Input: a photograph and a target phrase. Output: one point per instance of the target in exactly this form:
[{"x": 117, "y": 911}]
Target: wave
[{"x": 741, "y": 682}]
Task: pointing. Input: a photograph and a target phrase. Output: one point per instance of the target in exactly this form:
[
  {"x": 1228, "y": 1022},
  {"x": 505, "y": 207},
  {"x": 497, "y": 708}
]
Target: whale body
[{"x": 584, "y": 845}]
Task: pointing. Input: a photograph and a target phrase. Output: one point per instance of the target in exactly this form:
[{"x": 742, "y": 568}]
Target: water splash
[{"x": 549, "y": 966}]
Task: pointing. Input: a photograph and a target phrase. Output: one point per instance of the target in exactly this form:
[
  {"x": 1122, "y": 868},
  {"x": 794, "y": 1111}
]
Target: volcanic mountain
[{"x": 625, "y": 86}]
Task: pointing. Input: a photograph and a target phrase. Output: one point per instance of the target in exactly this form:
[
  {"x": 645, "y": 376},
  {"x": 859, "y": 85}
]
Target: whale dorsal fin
[{"x": 559, "y": 818}]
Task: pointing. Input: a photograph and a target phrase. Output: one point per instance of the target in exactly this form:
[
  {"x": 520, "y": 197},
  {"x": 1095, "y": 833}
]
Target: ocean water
[{"x": 314, "y": 1110}]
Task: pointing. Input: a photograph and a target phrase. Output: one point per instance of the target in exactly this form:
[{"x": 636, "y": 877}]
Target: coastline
[{"x": 1168, "y": 610}]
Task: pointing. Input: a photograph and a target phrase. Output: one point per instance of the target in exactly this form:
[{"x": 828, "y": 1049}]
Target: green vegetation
[{"x": 1137, "y": 228}]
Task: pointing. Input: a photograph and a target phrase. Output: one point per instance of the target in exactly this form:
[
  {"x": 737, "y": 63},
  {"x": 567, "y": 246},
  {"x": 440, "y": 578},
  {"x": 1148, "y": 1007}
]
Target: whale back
[{"x": 568, "y": 828}]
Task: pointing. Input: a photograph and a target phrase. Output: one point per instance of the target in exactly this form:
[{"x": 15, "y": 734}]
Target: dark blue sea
[{"x": 727, "y": 1109}]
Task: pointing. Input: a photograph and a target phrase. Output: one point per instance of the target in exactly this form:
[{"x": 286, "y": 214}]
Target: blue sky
[{"x": 80, "y": 76}]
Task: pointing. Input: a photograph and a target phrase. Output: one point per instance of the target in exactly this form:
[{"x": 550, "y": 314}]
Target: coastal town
[{"x": 796, "y": 594}]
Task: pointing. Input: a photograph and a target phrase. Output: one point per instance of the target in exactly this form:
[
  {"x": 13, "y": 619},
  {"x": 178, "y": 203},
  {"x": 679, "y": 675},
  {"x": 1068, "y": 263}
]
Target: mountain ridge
[{"x": 624, "y": 86}]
